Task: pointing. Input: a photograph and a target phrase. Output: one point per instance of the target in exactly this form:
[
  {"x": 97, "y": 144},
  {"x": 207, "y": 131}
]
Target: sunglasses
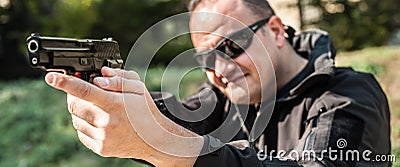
[{"x": 230, "y": 47}]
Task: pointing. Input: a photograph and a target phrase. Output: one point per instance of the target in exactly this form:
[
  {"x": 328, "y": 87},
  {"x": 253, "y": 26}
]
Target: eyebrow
[{"x": 211, "y": 37}]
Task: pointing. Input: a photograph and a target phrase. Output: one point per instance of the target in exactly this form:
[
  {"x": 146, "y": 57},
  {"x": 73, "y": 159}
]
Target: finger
[
  {"x": 82, "y": 89},
  {"x": 85, "y": 110},
  {"x": 86, "y": 128},
  {"x": 120, "y": 84},
  {"x": 110, "y": 72},
  {"x": 88, "y": 142}
]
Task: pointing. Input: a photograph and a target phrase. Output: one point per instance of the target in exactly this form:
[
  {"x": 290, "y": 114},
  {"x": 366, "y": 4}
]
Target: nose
[{"x": 224, "y": 68}]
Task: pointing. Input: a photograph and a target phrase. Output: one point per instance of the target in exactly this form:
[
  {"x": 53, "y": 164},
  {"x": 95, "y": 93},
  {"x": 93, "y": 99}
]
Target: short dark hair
[{"x": 259, "y": 7}]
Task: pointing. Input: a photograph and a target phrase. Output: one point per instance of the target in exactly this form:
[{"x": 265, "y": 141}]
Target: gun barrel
[
  {"x": 33, "y": 46},
  {"x": 73, "y": 55}
]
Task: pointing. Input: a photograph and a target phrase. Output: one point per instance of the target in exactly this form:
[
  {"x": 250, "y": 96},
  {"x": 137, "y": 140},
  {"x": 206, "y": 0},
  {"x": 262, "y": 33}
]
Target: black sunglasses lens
[
  {"x": 236, "y": 44},
  {"x": 230, "y": 47},
  {"x": 234, "y": 48}
]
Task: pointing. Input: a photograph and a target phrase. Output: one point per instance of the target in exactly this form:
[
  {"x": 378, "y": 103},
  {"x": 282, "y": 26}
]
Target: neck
[{"x": 290, "y": 64}]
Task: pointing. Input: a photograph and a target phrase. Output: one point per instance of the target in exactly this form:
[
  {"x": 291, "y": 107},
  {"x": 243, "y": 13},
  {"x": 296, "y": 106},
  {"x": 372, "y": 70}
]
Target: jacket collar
[{"x": 317, "y": 47}]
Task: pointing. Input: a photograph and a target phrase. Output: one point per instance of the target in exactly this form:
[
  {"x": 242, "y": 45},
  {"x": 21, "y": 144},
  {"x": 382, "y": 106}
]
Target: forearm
[
  {"x": 160, "y": 159},
  {"x": 174, "y": 137},
  {"x": 191, "y": 146}
]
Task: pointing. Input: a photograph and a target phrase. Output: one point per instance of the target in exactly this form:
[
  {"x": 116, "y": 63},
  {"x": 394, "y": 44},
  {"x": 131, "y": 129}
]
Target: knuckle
[
  {"x": 88, "y": 116},
  {"x": 83, "y": 113},
  {"x": 82, "y": 138},
  {"x": 60, "y": 82},
  {"x": 85, "y": 90},
  {"x": 125, "y": 85},
  {"x": 101, "y": 123},
  {"x": 71, "y": 106},
  {"x": 100, "y": 135},
  {"x": 118, "y": 83},
  {"x": 75, "y": 123}
]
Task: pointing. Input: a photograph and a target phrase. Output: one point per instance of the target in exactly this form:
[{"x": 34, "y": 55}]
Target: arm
[
  {"x": 358, "y": 114},
  {"x": 214, "y": 152},
  {"x": 104, "y": 125}
]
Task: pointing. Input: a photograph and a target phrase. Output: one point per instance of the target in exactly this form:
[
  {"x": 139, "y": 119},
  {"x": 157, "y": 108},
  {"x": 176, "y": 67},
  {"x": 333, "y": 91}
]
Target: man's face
[{"x": 246, "y": 77}]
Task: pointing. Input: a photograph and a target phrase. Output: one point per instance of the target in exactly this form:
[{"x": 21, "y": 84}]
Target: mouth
[{"x": 233, "y": 79}]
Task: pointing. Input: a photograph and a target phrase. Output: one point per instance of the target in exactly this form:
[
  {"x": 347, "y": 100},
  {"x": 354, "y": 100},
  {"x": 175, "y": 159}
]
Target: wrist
[
  {"x": 172, "y": 144},
  {"x": 176, "y": 153},
  {"x": 160, "y": 159}
]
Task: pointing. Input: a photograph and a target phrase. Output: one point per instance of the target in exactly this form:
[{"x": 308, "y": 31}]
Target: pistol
[{"x": 82, "y": 58}]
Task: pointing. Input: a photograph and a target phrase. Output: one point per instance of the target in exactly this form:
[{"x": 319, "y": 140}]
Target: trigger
[{"x": 78, "y": 74}]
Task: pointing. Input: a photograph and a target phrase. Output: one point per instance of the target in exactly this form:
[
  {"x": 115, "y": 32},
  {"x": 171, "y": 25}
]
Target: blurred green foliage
[
  {"x": 36, "y": 129},
  {"x": 368, "y": 67},
  {"x": 396, "y": 153},
  {"x": 357, "y": 24},
  {"x": 160, "y": 79},
  {"x": 127, "y": 20}
]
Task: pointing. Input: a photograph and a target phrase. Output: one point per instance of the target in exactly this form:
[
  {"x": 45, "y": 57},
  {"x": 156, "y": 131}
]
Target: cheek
[
  {"x": 248, "y": 66},
  {"x": 258, "y": 61}
]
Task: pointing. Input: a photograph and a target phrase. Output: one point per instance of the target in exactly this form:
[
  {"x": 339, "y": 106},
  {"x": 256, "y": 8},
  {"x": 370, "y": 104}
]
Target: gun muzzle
[{"x": 33, "y": 47}]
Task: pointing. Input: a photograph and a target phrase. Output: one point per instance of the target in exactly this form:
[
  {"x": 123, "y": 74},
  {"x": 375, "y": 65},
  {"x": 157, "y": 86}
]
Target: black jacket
[{"x": 329, "y": 108}]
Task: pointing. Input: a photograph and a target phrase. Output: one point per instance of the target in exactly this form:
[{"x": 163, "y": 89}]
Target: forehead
[{"x": 213, "y": 19}]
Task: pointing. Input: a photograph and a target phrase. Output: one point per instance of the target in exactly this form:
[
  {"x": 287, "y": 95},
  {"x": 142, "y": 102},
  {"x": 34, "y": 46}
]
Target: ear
[{"x": 276, "y": 26}]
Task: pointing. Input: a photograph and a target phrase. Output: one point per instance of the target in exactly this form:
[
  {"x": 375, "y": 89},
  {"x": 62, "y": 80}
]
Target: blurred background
[{"x": 35, "y": 127}]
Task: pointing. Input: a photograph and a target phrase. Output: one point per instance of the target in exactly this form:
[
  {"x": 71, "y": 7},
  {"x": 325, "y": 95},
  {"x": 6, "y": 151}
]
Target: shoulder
[
  {"x": 357, "y": 98},
  {"x": 351, "y": 107},
  {"x": 351, "y": 86}
]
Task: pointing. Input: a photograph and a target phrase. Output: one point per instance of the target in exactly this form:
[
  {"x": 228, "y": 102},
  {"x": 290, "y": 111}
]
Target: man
[{"x": 318, "y": 107}]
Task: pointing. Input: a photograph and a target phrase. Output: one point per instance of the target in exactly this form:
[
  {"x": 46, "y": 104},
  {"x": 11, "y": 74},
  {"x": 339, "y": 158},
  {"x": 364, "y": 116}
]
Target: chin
[
  {"x": 238, "y": 95},
  {"x": 239, "y": 101},
  {"x": 244, "y": 100}
]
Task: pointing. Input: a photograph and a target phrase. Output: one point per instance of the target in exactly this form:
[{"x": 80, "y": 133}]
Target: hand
[{"x": 100, "y": 116}]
